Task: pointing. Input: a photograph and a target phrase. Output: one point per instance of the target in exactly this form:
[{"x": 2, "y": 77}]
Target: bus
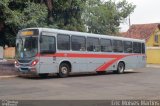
[{"x": 41, "y": 51}]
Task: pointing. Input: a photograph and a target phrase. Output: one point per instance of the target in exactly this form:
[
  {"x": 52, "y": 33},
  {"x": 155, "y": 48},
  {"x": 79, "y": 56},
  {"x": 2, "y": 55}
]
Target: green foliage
[
  {"x": 18, "y": 15},
  {"x": 105, "y": 17},
  {"x": 33, "y": 15},
  {"x": 80, "y": 15},
  {"x": 67, "y": 14}
]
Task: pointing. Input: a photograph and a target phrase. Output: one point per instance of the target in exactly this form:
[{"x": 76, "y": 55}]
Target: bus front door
[{"x": 47, "y": 64}]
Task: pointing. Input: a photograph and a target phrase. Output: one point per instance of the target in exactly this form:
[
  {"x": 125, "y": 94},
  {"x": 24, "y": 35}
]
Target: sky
[{"x": 146, "y": 11}]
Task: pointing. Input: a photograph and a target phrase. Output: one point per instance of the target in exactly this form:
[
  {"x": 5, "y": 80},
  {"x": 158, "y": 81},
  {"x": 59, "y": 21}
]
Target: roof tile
[{"x": 141, "y": 31}]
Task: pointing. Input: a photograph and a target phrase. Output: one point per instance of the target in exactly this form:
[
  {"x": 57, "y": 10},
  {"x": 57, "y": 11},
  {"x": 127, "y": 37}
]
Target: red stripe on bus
[
  {"x": 108, "y": 64},
  {"x": 77, "y": 55}
]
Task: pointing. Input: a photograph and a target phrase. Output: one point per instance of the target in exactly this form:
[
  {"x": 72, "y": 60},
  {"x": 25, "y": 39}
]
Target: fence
[
  {"x": 1, "y": 52},
  {"x": 153, "y": 55},
  {"x": 9, "y": 52}
]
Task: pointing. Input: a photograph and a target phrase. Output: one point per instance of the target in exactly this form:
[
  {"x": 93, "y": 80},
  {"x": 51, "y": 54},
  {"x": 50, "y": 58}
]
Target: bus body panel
[{"x": 47, "y": 65}]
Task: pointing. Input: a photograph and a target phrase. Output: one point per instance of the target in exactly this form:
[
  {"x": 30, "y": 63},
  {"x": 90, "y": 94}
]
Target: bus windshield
[{"x": 26, "y": 47}]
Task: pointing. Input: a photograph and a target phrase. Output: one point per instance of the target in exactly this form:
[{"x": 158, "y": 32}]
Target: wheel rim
[
  {"x": 121, "y": 68},
  {"x": 64, "y": 70}
]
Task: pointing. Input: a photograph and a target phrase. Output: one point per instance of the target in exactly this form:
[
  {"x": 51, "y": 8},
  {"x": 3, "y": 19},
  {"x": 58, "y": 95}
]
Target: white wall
[{"x": 1, "y": 52}]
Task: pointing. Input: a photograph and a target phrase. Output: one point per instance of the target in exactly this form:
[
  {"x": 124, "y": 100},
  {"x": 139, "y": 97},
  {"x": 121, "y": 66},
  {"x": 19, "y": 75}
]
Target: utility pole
[
  {"x": 129, "y": 21},
  {"x": 129, "y": 24}
]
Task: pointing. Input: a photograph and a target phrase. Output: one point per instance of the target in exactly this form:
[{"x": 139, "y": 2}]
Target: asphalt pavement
[{"x": 137, "y": 84}]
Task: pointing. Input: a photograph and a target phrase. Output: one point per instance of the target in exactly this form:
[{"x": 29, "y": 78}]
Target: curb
[
  {"x": 8, "y": 76},
  {"x": 153, "y": 66},
  {"x": 129, "y": 70}
]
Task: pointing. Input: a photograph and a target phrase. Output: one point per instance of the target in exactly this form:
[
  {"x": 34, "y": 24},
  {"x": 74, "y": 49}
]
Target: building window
[{"x": 156, "y": 39}]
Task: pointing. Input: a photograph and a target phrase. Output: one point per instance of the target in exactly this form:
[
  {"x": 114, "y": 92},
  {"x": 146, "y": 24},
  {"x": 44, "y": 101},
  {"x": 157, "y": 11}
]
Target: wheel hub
[{"x": 64, "y": 70}]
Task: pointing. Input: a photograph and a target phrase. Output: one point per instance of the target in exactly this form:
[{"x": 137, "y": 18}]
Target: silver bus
[{"x": 41, "y": 51}]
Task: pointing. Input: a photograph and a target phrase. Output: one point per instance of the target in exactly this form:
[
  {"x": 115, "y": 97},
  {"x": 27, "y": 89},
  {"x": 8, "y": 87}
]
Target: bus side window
[
  {"x": 106, "y": 45},
  {"x": 78, "y": 43},
  {"x": 117, "y": 45},
  {"x": 47, "y": 44},
  {"x": 137, "y": 47},
  {"x": 93, "y": 44},
  {"x": 143, "y": 48},
  {"x": 127, "y": 47},
  {"x": 63, "y": 42}
]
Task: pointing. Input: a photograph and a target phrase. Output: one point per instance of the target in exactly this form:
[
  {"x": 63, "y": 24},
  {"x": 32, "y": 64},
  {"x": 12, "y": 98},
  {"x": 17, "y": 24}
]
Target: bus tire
[
  {"x": 64, "y": 70},
  {"x": 120, "y": 68}
]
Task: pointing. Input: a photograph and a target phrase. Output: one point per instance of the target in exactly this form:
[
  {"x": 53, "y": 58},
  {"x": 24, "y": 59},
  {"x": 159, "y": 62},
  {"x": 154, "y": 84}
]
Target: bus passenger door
[
  {"x": 47, "y": 64},
  {"x": 47, "y": 54}
]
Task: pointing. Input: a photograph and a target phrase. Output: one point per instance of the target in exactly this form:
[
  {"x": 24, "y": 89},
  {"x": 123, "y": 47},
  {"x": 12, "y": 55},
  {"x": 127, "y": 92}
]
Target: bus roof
[{"x": 52, "y": 30}]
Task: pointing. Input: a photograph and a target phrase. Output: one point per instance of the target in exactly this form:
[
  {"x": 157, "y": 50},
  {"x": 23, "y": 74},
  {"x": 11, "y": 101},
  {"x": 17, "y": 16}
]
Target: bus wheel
[
  {"x": 45, "y": 75},
  {"x": 64, "y": 70},
  {"x": 120, "y": 68}
]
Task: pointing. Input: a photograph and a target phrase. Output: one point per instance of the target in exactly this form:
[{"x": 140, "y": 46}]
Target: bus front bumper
[{"x": 27, "y": 70}]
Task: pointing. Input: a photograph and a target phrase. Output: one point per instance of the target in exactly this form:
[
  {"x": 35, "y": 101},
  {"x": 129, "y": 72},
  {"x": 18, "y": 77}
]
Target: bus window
[
  {"x": 93, "y": 44},
  {"x": 136, "y": 47},
  {"x": 117, "y": 46},
  {"x": 127, "y": 46},
  {"x": 106, "y": 45},
  {"x": 78, "y": 43},
  {"x": 143, "y": 48},
  {"x": 47, "y": 44},
  {"x": 63, "y": 42}
]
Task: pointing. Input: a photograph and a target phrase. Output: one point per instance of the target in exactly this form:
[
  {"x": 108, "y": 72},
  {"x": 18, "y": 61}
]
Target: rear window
[{"x": 143, "y": 48}]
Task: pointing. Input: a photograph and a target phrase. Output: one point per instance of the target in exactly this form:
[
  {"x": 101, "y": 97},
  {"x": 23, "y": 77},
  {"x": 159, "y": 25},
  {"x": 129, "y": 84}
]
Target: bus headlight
[
  {"x": 34, "y": 62},
  {"x": 16, "y": 63}
]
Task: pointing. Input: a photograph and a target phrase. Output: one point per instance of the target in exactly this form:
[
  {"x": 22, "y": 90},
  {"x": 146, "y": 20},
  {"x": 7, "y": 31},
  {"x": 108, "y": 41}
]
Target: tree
[
  {"x": 98, "y": 17},
  {"x": 67, "y": 14},
  {"x": 64, "y": 14},
  {"x": 18, "y": 15},
  {"x": 105, "y": 17}
]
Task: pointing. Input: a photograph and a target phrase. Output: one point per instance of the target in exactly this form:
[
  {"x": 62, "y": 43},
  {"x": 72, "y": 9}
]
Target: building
[{"x": 151, "y": 33}]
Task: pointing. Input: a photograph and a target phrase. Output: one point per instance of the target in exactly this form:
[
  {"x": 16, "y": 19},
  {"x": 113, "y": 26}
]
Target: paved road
[{"x": 140, "y": 84}]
